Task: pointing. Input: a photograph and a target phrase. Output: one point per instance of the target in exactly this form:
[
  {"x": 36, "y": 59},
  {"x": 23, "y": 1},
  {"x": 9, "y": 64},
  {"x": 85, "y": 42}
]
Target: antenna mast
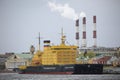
[
  {"x": 39, "y": 41},
  {"x": 62, "y": 37}
]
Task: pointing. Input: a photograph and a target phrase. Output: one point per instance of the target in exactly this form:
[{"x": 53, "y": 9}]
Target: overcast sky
[{"x": 22, "y": 20}]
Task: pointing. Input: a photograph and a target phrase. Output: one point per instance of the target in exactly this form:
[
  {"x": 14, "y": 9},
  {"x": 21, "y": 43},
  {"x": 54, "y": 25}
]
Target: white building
[{"x": 16, "y": 60}]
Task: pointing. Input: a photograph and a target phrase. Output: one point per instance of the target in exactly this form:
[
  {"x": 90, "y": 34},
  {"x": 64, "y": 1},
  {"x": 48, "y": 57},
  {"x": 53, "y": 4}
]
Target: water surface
[{"x": 16, "y": 76}]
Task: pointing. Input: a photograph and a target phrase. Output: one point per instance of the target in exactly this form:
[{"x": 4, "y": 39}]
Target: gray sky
[{"x": 22, "y": 20}]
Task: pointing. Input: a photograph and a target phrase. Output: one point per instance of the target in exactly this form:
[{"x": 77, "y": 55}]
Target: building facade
[{"x": 17, "y": 60}]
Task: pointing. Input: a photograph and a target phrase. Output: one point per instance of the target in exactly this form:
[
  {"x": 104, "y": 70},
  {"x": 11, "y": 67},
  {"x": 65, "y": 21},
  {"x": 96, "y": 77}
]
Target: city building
[
  {"x": 101, "y": 50},
  {"x": 3, "y": 58},
  {"x": 14, "y": 61}
]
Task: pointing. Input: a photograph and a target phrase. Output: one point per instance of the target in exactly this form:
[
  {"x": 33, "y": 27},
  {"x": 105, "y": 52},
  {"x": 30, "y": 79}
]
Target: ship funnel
[{"x": 46, "y": 43}]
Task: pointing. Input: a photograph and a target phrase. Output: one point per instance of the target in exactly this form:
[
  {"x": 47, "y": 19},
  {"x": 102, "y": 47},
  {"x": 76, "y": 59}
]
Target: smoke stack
[
  {"x": 77, "y": 32},
  {"x": 94, "y": 32},
  {"x": 84, "y": 33}
]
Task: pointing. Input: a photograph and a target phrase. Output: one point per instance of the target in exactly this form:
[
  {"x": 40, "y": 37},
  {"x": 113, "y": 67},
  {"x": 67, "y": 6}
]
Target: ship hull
[{"x": 64, "y": 69}]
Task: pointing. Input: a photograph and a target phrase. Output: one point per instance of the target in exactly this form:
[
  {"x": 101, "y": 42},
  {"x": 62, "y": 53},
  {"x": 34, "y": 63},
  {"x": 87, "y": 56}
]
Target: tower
[
  {"x": 84, "y": 33},
  {"x": 94, "y": 32},
  {"x": 77, "y": 32}
]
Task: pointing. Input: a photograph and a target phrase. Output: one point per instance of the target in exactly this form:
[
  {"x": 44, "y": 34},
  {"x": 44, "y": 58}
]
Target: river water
[{"x": 16, "y": 76}]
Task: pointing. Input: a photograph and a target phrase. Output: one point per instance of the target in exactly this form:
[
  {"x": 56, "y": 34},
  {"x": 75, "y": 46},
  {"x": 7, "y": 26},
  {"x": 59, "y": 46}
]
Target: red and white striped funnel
[
  {"x": 94, "y": 32},
  {"x": 84, "y": 44},
  {"x": 77, "y": 32}
]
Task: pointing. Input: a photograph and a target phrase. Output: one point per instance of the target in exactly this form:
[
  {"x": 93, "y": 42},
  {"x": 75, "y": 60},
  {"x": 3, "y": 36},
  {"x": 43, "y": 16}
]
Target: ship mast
[
  {"x": 62, "y": 37},
  {"x": 39, "y": 42}
]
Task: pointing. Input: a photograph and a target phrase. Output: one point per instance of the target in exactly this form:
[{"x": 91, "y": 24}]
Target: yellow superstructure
[
  {"x": 37, "y": 58},
  {"x": 60, "y": 55},
  {"x": 56, "y": 55}
]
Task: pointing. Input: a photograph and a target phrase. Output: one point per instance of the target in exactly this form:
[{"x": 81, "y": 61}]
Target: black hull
[{"x": 64, "y": 69}]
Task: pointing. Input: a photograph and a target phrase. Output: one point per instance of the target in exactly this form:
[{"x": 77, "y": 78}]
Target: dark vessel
[
  {"x": 59, "y": 59},
  {"x": 64, "y": 69}
]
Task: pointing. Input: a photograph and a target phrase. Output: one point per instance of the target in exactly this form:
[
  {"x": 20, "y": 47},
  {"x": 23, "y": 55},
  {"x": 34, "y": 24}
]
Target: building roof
[
  {"x": 20, "y": 56},
  {"x": 105, "y": 58},
  {"x": 4, "y": 56},
  {"x": 24, "y": 55}
]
